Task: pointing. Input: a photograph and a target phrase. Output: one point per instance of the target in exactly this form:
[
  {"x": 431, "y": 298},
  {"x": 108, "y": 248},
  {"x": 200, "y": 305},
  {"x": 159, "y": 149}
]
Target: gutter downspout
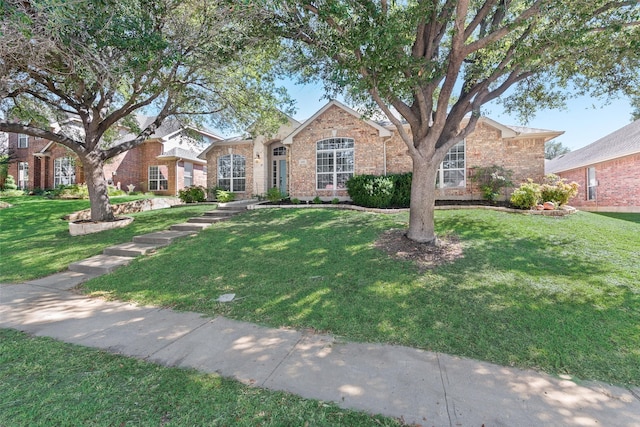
[{"x": 384, "y": 153}]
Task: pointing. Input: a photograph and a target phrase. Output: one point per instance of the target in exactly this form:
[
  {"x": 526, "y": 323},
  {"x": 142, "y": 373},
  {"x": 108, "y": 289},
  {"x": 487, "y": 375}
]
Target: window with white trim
[
  {"x": 188, "y": 174},
  {"x": 334, "y": 163},
  {"x": 23, "y": 140},
  {"x": 158, "y": 178},
  {"x": 452, "y": 171},
  {"x": 232, "y": 173},
  {"x": 23, "y": 175},
  {"x": 64, "y": 171},
  {"x": 592, "y": 183}
]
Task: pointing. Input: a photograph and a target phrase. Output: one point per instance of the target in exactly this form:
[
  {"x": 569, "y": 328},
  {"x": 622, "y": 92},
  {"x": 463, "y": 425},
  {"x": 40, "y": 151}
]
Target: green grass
[
  {"x": 35, "y": 241},
  {"x": 49, "y": 383},
  {"x": 554, "y": 294}
]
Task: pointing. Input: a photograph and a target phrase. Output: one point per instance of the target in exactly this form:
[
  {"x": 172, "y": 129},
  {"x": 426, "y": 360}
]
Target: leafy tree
[
  {"x": 635, "y": 104},
  {"x": 435, "y": 63},
  {"x": 553, "y": 149},
  {"x": 100, "y": 61}
]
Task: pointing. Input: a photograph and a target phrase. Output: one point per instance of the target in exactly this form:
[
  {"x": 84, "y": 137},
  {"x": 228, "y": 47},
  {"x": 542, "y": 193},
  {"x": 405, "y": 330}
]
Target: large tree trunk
[
  {"x": 98, "y": 191},
  {"x": 423, "y": 197}
]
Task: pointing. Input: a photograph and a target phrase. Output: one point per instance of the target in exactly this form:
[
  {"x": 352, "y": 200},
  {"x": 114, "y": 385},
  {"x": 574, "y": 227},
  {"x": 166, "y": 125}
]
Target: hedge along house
[
  {"x": 317, "y": 157},
  {"x": 607, "y": 170},
  {"x": 165, "y": 163}
]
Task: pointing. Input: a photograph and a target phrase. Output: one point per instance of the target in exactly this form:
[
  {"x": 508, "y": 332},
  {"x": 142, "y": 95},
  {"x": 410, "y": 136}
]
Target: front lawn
[
  {"x": 49, "y": 383},
  {"x": 555, "y": 294},
  {"x": 35, "y": 241}
]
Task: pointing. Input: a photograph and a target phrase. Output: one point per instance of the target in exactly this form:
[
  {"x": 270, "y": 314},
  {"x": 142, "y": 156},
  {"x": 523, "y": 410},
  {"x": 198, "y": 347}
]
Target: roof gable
[
  {"x": 623, "y": 142},
  {"x": 381, "y": 130}
]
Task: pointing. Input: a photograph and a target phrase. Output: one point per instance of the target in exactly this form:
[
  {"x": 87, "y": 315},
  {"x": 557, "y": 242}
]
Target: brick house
[
  {"x": 165, "y": 163},
  {"x": 317, "y": 157},
  {"x": 607, "y": 170}
]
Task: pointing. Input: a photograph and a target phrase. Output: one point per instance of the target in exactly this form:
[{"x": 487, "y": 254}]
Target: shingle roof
[
  {"x": 182, "y": 154},
  {"x": 623, "y": 142}
]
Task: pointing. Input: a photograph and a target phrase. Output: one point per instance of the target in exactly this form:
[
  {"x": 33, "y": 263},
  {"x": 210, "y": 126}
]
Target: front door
[{"x": 279, "y": 168}]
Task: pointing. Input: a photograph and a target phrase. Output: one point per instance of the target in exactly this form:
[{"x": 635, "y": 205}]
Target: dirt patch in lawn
[{"x": 396, "y": 244}]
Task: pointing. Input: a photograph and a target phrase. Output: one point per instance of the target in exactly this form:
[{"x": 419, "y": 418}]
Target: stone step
[
  {"x": 207, "y": 219},
  {"x": 132, "y": 249},
  {"x": 99, "y": 264},
  {"x": 162, "y": 237},
  {"x": 222, "y": 213},
  {"x": 191, "y": 226}
]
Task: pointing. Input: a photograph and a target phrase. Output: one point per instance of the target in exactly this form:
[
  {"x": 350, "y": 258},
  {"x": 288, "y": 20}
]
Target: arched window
[
  {"x": 334, "y": 163},
  {"x": 231, "y": 173}
]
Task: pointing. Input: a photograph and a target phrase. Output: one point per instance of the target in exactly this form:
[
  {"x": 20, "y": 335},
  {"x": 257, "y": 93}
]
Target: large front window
[
  {"x": 64, "y": 171},
  {"x": 334, "y": 163},
  {"x": 23, "y": 175},
  {"x": 158, "y": 178},
  {"x": 452, "y": 170},
  {"x": 231, "y": 173}
]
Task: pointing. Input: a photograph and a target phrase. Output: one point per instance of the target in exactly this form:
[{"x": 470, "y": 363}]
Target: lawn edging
[
  {"x": 565, "y": 210},
  {"x": 135, "y": 206}
]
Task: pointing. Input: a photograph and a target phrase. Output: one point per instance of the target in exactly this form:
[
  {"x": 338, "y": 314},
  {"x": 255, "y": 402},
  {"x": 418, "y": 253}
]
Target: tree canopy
[
  {"x": 435, "y": 64},
  {"x": 101, "y": 61}
]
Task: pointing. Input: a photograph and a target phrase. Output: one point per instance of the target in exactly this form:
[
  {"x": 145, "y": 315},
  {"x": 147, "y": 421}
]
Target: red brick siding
[
  {"x": 618, "y": 185},
  {"x": 41, "y": 172},
  {"x": 335, "y": 122},
  {"x": 245, "y": 150}
]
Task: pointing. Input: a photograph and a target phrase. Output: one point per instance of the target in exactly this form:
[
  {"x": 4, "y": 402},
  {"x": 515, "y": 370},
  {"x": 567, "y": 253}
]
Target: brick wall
[
  {"x": 41, "y": 170},
  {"x": 333, "y": 123},
  {"x": 245, "y": 150},
  {"x": 618, "y": 187}
]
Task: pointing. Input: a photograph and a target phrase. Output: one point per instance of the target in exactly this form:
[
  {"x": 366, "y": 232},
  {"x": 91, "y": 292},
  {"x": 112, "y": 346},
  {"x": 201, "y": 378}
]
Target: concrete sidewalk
[{"x": 428, "y": 389}]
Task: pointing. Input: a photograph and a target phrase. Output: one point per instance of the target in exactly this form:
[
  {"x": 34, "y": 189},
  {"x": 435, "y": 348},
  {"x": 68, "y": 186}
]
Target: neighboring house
[
  {"x": 163, "y": 164},
  {"x": 317, "y": 157},
  {"x": 608, "y": 172}
]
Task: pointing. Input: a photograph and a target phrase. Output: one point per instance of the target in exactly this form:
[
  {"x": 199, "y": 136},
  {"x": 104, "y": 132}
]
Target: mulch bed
[{"x": 397, "y": 245}]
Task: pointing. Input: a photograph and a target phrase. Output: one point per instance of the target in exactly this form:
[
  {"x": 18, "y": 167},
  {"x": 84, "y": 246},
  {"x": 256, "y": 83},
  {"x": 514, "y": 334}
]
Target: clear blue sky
[{"x": 581, "y": 122}]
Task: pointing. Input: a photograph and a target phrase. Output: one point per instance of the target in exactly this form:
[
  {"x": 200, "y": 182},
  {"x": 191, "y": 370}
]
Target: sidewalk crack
[
  {"x": 289, "y": 353},
  {"x": 444, "y": 389}
]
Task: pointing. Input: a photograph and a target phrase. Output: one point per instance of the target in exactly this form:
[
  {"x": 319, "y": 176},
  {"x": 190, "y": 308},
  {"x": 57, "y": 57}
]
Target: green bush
[
  {"x": 295, "y": 201},
  {"x": 335, "y": 201},
  {"x": 316, "y": 200},
  {"x": 274, "y": 195},
  {"x": 72, "y": 191},
  {"x": 526, "y": 196},
  {"x": 557, "y": 190},
  {"x": 380, "y": 191},
  {"x": 10, "y": 183},
  {"x": 193, "y": 194},
  {"x": 224, "y": 196},
  {"x": 491, "y": 180},
  {"x": 115, "y": 191}
]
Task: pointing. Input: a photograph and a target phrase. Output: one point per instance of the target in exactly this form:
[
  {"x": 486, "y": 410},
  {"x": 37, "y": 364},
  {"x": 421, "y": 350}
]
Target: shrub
[
  {"x": 224, "y": 196},
  {"x": 72, "y": 191},
  {"x": 295, "y": 201},
  {"x": 380, "y": 191},
  {"x": 491, "y": 180},
  {"x": 316, "y": 200},
  {"x": 526, "y": 196},
  {"x": 335, "y": 201},
  {"x": 274, "y": 195},
  {"x": 115, "y": 191},
  {"x": 193, "y": 194},
  {"x": 10, "y": 183},
  {"x": 401, "y": 190},
  {"x": 557, "y": 190}
]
